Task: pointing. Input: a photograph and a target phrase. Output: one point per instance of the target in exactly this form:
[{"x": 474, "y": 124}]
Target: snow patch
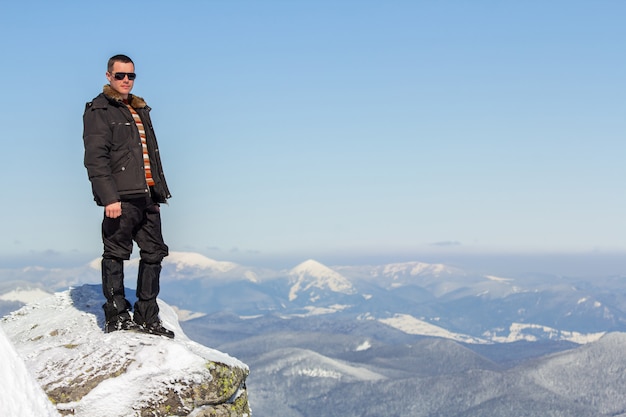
[
  {"x": 534, "y": 332},
  {"x": 313, "y": 365},
  {"x": 319, "y": 373},
  {"x": 410, "y": 325},
  {"x": 251, "y": 276},
  {"x": 363, "y": 346},
  {"x": 186, "y": 315},
  {"x": 415, "y": 269},
  {"x": 20, "y": 395},
  {"x": 498, "y": 279},
  {"x": 317, "y": 311}
]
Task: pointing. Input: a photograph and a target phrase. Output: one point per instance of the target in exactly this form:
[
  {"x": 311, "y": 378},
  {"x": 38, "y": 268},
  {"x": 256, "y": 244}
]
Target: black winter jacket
[{"x": 113, "y": 151}]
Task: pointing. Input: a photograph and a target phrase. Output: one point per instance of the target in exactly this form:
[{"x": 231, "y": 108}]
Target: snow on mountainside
[
  {"x": 534, "y": 332},
  {"x": 417, "y": 269},
  {"x": 306, "y": 363},
  {"x": 184, "y": 260},
  {"x": 439, "y": 279},
  {"x": 404, "y": 296},
  {"x": 24, "y": 296},
  {"x": 591, "y": 374},
  {"x": 384, "y": 340},
  {"x": 411, "y": 325},
  {"x": 396, "y": 275},
  {"x": 312, "y": 274},
  {"x": 181, "y": 261},
  {"x": 190, "y": 265}
]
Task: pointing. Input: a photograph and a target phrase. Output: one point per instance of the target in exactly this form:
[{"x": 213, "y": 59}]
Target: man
[{"x": 124, "y": 167}]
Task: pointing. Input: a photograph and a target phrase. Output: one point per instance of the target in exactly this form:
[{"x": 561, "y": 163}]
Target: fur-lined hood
[{"x": 135, "y": 101}]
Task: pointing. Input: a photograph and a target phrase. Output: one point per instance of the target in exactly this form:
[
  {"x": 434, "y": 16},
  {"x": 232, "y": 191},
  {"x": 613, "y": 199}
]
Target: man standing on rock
[{"x": 124, "y": 167}]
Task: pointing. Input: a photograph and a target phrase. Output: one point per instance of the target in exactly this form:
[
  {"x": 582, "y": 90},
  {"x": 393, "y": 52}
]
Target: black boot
[
  {"x": 117, "y": 307},
  {"x": 146, "y": 307},
  {"x": 157, "y": 329}
]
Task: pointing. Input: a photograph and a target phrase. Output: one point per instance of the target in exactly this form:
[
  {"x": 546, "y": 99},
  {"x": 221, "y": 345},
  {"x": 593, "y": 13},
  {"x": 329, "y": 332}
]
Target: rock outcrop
[{"x": 88, "y": 373}]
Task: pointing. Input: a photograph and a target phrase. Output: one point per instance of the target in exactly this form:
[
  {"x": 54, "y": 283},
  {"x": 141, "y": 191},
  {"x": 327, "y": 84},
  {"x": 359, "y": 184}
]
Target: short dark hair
[{"x": 118, "y": 58}]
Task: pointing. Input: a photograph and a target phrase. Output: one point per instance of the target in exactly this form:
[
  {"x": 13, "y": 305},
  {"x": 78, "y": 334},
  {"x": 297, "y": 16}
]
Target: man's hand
[{"x": 113, "y": 210}]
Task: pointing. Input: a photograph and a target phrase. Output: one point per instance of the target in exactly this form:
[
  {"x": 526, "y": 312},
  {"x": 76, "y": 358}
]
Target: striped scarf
[{"x": 144, "y": 145}]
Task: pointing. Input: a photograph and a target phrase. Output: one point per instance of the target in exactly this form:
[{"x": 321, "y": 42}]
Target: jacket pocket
[
  {"x": 123, "y": 134},
  {"x": 128, "y": 173},
  {"x": 120, "y": 160}
]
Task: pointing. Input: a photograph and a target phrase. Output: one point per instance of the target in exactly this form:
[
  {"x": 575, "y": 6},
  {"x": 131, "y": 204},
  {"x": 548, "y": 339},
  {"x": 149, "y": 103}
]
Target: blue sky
[{"x": 328, "y": 128}]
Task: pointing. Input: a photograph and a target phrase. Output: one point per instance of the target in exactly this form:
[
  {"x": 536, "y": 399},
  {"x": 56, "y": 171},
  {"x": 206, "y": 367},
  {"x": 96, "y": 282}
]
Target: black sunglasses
[{"x": 121, "y": 75}]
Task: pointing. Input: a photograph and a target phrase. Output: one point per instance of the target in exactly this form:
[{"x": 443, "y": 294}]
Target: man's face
[{"x": 125, "y": 85}]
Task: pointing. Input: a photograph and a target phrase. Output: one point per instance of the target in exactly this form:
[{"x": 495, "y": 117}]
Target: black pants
[{"x": 140, "y": 222}]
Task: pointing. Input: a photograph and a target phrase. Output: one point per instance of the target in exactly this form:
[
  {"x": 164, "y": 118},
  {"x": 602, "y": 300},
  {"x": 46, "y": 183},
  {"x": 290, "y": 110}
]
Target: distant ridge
[{"x": 418, "y": 298}]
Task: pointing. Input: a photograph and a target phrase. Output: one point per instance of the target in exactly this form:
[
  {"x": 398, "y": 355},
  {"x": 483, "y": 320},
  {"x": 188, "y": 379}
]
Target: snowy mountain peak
[
  {"x": 312, "y": 267},
  {"x": 312, "y": 274},
  {"x": 195, "y": 260}
]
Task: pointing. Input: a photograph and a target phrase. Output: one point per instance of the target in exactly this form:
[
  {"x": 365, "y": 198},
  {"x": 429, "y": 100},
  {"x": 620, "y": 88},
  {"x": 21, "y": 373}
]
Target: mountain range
[{"x": 398, "y": 339}]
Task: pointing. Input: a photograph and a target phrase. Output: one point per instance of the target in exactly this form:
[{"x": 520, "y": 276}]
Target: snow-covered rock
[
  {"x": 20, "y": 394},
  {"x": 86, "y": 372}
]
